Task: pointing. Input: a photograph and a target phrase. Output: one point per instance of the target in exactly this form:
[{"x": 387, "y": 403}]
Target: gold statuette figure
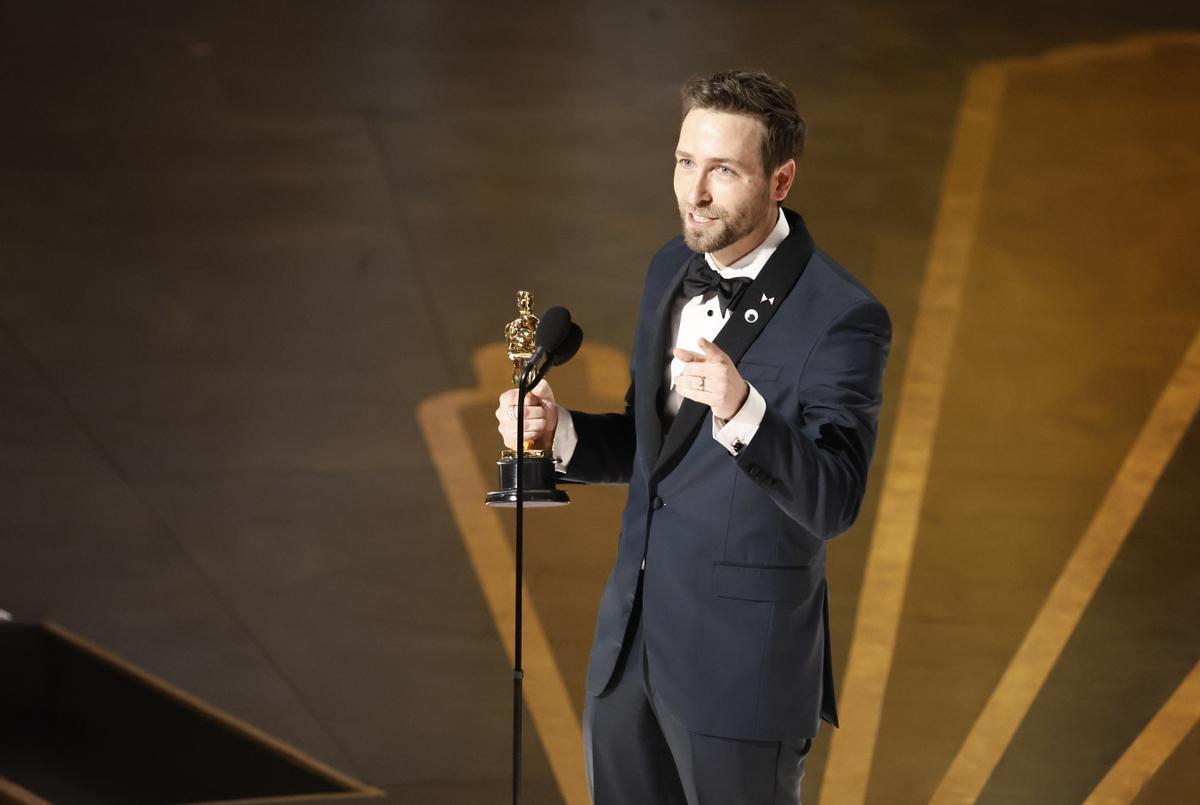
[{"x": 519, "y": 336}]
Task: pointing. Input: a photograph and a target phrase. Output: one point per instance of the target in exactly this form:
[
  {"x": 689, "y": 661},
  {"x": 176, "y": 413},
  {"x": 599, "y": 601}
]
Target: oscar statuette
[{"x": 536, "y": 467}]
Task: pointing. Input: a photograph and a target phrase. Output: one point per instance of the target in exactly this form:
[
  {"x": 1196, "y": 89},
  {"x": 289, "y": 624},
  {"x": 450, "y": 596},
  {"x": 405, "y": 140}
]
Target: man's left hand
[{"x": 711, "y": 378}]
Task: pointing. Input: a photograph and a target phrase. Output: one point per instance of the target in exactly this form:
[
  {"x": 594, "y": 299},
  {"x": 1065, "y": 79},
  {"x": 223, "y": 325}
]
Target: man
[{"x": 746, "y": 436}]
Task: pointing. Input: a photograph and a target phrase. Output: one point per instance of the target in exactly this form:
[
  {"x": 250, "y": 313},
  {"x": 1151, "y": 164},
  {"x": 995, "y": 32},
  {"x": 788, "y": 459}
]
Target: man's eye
[
  {"x": 725, "y": 170},
  {"x": 685, "y": 162}
]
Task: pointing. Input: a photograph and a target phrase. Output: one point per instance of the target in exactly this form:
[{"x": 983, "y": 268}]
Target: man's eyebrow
[{"x": 722, "y": 160}]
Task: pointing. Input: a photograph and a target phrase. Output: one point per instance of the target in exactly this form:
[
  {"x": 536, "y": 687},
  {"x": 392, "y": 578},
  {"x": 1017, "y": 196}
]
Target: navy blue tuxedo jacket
[{"x": 735, "y": 609}]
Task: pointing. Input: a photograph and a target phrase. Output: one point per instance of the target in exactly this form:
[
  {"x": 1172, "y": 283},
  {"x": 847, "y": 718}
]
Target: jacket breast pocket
[
  {"x": 762, "y": 582},
  {"x": 762, "y": 372}
]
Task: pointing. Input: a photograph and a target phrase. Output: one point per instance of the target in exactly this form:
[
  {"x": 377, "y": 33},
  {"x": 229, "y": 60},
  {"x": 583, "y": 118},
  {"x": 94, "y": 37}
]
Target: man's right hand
[{"x": 541, "y": 417}]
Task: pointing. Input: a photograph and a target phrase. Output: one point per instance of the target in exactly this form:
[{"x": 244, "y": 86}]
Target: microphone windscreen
[
  {"x": 554, "y": 326},
  {"x": 570, "y": 345}
]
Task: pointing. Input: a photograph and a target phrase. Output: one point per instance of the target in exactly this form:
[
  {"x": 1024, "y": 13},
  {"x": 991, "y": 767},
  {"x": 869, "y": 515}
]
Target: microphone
[
  {"x": 569, "y": 346},
  {"x": 554, "y": 327},
  {"x": 557, "y": 339}
]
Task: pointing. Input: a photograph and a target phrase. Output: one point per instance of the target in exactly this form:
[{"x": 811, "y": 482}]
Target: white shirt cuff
[
  {"x": 734, "y": 434},
  {"x": 565, "y": 439}
]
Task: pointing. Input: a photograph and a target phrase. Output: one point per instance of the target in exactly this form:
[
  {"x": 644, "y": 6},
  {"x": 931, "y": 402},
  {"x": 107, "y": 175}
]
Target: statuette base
[{"x": 537, "y": 484}]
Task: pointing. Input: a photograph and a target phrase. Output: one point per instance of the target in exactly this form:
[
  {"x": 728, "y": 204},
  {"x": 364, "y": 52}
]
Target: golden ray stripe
[
  {"x": 890, "y": 555},
  {"x": 1150, "y": 750},
  {"x": 11, "y": 792},
  {"x": 1073, "y": 591},
  {"x": 491, "y": 555}
]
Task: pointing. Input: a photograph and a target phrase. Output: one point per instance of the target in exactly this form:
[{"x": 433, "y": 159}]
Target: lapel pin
[
  {"x": 766, "y": 298},
  {"x": 751, "y": 315}
]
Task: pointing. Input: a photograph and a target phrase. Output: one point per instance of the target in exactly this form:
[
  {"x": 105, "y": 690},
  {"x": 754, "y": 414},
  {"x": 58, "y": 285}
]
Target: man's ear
[{"x": 781, "y": 180}]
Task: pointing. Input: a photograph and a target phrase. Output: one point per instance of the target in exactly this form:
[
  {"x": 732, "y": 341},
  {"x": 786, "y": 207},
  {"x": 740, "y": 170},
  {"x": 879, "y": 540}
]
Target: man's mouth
[{"x": 696, "y": 218}]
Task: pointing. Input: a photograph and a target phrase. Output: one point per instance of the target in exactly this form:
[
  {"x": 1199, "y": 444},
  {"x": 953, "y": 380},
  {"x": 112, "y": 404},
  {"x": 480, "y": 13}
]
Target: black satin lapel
[
  {"x": 683, "y": 430},
  {"x": 775, "y": 281},
  {"x": 766, "y": 294},
  {"x": 652, "y": 369}
]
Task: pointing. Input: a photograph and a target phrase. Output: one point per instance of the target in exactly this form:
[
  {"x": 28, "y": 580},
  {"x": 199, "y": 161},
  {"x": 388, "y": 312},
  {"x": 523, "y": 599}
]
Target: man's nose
[{"x": 698, "y": 195}]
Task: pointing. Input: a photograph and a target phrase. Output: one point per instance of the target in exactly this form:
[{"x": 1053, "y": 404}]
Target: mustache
[{"x": 703, "y": 212}]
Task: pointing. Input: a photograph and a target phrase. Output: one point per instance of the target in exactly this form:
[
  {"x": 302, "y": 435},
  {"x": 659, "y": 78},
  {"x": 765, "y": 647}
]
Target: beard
[{"x": 731, "y": 225}]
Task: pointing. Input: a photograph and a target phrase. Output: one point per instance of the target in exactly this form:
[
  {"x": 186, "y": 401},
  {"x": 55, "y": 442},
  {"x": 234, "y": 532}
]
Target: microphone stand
[{"x": 523, "y": 387}]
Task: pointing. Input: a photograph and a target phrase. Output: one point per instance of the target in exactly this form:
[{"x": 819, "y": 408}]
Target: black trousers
[{"x": 637, "y": 753}]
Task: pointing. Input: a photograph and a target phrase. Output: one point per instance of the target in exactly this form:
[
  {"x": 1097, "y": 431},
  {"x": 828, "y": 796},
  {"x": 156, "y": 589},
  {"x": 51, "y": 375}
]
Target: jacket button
[{"x": 658, "y": 503}]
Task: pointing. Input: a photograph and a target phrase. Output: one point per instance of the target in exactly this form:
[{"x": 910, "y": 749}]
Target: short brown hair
[{"x": 757, "y": 94}]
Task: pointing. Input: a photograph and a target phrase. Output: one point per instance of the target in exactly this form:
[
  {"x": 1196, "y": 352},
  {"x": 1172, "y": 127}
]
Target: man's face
[{"x": 726, "y": 201}]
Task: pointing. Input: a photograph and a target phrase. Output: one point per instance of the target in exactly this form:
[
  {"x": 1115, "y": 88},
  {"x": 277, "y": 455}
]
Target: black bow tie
[{"x": 701, "y": 279}]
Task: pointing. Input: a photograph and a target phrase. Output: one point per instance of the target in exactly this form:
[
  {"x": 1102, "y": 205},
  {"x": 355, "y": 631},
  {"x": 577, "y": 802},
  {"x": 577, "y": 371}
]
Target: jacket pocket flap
[{"x": 762, "y": 582}]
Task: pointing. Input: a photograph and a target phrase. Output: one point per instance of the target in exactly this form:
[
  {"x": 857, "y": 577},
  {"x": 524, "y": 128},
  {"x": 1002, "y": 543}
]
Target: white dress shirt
[{"x": 691, "y": 320}]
